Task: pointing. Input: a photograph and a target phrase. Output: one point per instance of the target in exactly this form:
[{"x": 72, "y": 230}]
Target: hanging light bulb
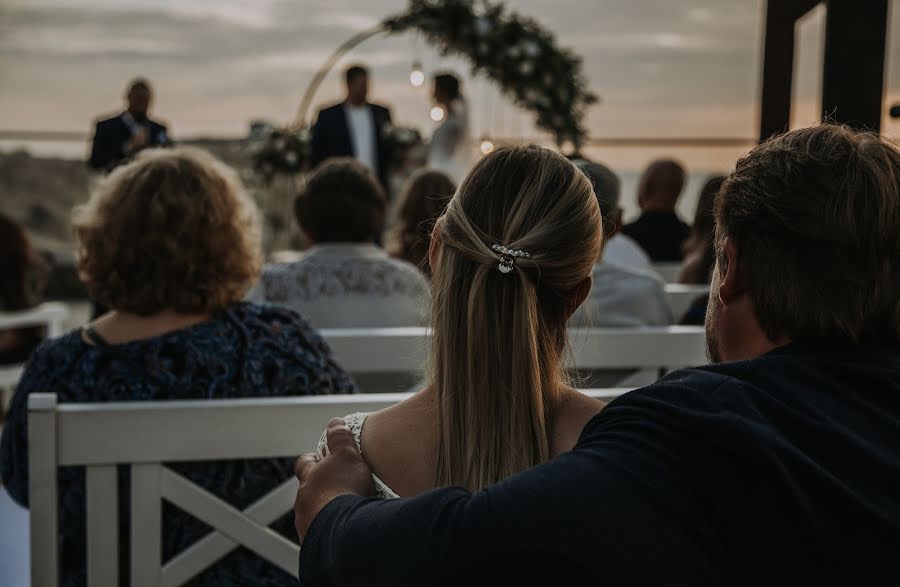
[
  {"x": 486, "y": 147},
  {"x": 437, "y": 114},
  {"x": 417, "y": 76}
]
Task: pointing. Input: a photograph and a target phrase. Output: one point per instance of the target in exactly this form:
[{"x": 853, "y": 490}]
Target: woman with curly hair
[{"x": 170, "y": 243}]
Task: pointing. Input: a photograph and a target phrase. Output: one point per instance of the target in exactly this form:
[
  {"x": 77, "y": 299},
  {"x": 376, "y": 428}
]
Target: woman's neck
[{"x": 119, "y": 327}]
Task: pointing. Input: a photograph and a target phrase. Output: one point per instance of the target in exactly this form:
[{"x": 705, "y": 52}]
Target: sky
[{"x": 663, "y": 68}]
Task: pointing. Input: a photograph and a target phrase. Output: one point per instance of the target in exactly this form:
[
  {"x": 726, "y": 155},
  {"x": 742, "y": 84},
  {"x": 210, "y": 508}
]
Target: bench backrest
[
  {"x": 49, "y": 314},
  {"x": 680, "y": 297},
  {"x": 144, "y": 435},
  {"x": 393, "y": 350},
  {"x": 668, "y": 271}
]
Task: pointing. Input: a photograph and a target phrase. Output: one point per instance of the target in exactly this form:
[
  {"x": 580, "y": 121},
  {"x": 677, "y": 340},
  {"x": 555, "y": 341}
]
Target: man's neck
[{"x": 353, "y": 104}]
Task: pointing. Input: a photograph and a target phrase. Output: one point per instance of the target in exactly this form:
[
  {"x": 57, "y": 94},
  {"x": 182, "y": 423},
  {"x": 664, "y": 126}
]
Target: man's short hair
[
  {"x": 606, "y": 187},
  {"x": 342, "y": 201},
  {"x": 815, "y": 217},
  {"x": 355, "y": 71},
  {"x": 448, "y": 84},
  {"x": 139, "y": 83}
]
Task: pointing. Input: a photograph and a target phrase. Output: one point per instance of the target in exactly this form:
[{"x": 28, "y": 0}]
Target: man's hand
[{"x": 343, "y": 471}]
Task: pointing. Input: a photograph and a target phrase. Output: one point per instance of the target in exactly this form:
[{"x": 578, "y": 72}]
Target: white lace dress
[
  {"x": 355, "y": 423},
  {"x": 447, "y": 150}
]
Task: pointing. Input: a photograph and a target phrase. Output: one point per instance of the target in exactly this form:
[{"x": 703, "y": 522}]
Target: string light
[
  {"x": 437, "y": 114},
  {"x": 486, "y": 147},
  {"x": 417, "y": 76}
]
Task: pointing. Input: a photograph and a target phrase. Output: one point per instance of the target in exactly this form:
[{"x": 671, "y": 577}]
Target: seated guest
[
  {"x": 344, "y": 280},
  {"x": 620, "y": 296},
  {"x": 699, "y": 250},
  {"x": 622, "y": 250},
  {"x": 20, "y": 287},
  {"x": 512, "y": 259},
  {"x": 423, "y": 200},
  {"x": 659, "y": 230},
  {"x": 780, "y": 463},
  {"x": 170, "y": 243}
]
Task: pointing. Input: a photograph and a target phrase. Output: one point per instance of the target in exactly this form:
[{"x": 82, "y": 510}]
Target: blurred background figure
[
  {"x": 659, "y": 230},
  {"x": 118, "y": 139},
  {"x": 424, "y": 199},
  {"x": 699, "y": 248},
  {"x": 620, "y": 296},
  {"x": 21, "y": 283},
  {"x": 170, "y": 244},
  {"x": 345, "y": 280},
  {"x": 354, "y": 128},
  {"x": 447, "y": 149}
]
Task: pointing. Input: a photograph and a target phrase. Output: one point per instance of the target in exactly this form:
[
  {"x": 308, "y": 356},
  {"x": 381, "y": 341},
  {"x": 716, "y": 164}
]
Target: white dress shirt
[
  {"x": 622, "y": 250},
  {"x": 362, "y": 134},
  {"x": 622, "y": 297}
]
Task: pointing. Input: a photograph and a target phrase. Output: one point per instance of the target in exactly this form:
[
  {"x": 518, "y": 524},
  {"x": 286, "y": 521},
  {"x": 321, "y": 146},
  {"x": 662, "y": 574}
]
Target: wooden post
[
  {"x": 43, "y": 503},
  {"x": 853, "y": 76}
]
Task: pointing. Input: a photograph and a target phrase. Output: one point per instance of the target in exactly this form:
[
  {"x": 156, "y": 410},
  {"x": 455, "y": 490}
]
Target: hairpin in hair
[{"x": 508, "y": 257}]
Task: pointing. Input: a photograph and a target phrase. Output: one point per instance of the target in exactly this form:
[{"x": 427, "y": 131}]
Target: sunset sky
[{"x": 662, "y": 67}]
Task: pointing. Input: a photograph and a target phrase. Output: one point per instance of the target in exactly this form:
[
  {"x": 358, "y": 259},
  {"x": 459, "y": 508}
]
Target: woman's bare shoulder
[{"x": 574, "y": 412}]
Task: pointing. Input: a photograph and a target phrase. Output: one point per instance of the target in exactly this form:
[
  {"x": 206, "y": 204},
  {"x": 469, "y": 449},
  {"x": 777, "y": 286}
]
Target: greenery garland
[{"x": 515, "y": 51}]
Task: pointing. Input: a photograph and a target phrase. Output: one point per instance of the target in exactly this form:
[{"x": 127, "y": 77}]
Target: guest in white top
[
  {"x": 620, "y": 296},
  {"x": 344, "y": 280},
  {"x": 622, "y": 250}
]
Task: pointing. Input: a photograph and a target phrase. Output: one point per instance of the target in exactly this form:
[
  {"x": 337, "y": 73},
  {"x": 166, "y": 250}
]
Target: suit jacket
[
  {"x": 331, "y": 137},
  {"x": 112, "y": 134}
]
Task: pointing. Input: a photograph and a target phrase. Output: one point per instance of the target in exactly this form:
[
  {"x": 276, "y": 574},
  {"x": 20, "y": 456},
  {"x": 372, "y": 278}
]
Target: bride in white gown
[{"x": 448, "y": 151}]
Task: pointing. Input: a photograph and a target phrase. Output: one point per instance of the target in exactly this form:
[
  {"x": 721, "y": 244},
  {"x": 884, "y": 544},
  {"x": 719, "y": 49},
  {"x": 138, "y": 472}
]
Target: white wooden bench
[
  {"x": 680, "y": 297},
  {"x": 668, "y": 271},
  {"x": 49, "y": 314},
  {"x": 402, "y": 351},
  {"x": 145, "y": 435}
]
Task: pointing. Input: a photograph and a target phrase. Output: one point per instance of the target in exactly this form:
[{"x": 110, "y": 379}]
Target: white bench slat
[
  {"x": 209, "y": 549},
  {"x": 391, "y": 350},
  {"x": 146, "y": 524},
  {"x": 42, "y": 493},
  {"x": 102, "y": 495},
  {"x": 680, "y": 297},
  {"x": 230, "y": 521},
  {"x": 49, "y": 314}
]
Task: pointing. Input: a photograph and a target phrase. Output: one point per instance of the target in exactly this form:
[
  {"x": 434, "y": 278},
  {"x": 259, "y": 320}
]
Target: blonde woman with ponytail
[{"x": 512, "y": 259}]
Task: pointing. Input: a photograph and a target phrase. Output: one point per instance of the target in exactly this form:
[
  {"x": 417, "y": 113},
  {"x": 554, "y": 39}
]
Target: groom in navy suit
[
  {"x": 354, "y": 128},
  {"x": 121, "y": 137}
]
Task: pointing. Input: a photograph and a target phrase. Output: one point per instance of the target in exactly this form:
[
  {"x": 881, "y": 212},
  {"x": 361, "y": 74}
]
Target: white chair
[
  {"x": 668, "y": 271},
  {"x": 49, "y": 314},
  {"x": 680, "y": 297},
  {"x": 145, "y": 435},
  {"x": 401, "y": 351}
]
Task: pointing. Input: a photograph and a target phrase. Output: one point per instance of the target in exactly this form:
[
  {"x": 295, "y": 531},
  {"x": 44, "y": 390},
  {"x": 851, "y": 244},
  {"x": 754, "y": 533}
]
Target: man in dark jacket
[
  {"x": 778, "y": 464},
  {"x": 354, "y": 128},
  {"x": 118, "y": 139}
]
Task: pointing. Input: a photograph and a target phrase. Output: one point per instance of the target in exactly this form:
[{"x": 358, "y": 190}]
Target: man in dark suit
[
  {"x": 779, "y": 464},
  {"x": 659, "y": 230},
  {"x": 118, "y": 139},
  {"x": 354, "y": 128}
]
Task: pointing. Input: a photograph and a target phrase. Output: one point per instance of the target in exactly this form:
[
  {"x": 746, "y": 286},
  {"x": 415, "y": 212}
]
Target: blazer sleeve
[{"x": 104, "y": 151}]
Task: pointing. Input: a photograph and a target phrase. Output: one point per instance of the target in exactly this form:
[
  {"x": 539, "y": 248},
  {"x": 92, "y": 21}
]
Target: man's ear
[
  {"x": 578, "y": 295},
  {"x": 732, "y": 284},
  {"x": 434, "y": 247}
]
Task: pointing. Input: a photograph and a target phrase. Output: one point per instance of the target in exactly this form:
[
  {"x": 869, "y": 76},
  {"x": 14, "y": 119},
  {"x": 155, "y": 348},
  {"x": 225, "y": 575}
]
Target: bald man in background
[{"x": 659, "y": 230}]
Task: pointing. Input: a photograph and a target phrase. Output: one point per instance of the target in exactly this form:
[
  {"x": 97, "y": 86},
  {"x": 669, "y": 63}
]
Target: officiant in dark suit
[
  {"x": 354, "y": 128},
  {"x": 118, "y": 139}
]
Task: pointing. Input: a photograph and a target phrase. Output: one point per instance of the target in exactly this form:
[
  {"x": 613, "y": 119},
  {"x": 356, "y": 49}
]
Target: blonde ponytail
[{"x": 498, "y": 338}]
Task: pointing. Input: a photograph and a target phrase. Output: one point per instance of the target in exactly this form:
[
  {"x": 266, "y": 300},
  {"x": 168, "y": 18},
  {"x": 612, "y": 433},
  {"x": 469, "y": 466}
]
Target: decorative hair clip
[{"x": 508, "y": 257}]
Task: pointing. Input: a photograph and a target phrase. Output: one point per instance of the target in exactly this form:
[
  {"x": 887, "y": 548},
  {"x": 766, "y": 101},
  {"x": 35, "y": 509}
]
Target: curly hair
[{"x": 174, "y": 230}]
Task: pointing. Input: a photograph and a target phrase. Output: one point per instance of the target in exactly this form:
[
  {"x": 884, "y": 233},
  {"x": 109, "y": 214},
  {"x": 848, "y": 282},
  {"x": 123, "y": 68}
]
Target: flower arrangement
[
  {"x": 400, "y": 140},
  {"x": 280, "y": 151},
  {"x": 515, "y": 51}
]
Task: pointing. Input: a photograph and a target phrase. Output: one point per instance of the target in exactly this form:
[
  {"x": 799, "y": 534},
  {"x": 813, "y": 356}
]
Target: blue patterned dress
[{"x": 247, "y": 350}]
